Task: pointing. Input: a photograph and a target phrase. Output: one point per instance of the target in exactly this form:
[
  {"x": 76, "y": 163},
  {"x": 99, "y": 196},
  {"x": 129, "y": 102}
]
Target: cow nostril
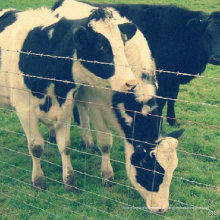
[
  {"x": 160, "y": 211},
  {"x": 130, "y": 85},
  {"x": 132, "y": 89}
]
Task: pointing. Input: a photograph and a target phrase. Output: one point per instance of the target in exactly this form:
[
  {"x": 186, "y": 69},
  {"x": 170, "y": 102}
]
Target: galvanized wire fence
[{"x": 88, "y": 154}]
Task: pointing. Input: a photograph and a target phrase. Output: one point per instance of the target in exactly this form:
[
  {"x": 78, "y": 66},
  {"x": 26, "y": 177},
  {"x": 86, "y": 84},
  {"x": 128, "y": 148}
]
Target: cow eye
[
  {"x": 102, "y": 48},
  {"x": 145, "y": 76}
]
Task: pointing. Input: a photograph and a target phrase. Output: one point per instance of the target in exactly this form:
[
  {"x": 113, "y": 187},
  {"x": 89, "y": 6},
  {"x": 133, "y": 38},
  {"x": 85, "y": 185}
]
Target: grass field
[{"x": 18, "y": 200}]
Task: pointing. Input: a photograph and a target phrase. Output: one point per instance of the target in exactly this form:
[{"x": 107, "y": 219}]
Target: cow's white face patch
[{"x": 153, "y": 186}]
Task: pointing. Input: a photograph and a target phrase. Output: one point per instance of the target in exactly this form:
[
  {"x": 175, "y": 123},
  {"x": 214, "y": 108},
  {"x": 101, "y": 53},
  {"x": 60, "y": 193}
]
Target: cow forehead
[
  {"x": 166, "y": 157},
  {"x": 109, "y": 29},
  {"x": 163, "y": 163}
]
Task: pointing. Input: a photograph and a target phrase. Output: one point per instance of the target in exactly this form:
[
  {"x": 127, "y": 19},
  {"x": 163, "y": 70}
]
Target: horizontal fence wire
[
  {"x": 105, "y": 88},
  {"x": 103, "y": 63},
  {"x": 107, "y": 106},
  {"x": 113, "y": 160},
  {"x": 121, "y": 162},
  {"x": 29, "y": 205},
  {"x": 37, "y": 198},
  {"x": 88, "y": 192},
  {"x": 116, "y": 108},
  {"x": 83, "y": 173},
  {"x": 114, "y": 135},
  {"x": 95, "y": 86},
  {"x": 132, "y": 139},
  {"x": 62, "y": 197}
]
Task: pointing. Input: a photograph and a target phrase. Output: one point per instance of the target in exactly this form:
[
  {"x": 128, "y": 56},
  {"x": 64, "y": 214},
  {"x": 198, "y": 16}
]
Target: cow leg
[
  {"x": 171, "y": 118},
  {"x": 29, "y": 123},
  {"x": 161, "y": 103},
  {"x": 105, "y": 145},
  {"x": 86, "y": 135},
  {"x": 104, "y": 139},
  {"x": 52, "y": 135},
  {"x": 63, "y": 142}
]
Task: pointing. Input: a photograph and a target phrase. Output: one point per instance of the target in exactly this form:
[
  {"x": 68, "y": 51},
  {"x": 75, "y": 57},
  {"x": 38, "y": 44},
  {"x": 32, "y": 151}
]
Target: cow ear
[
  {"x": 128, "y": 30},
  {"x": 196, "y": 25},
  {"x": 80, "y": 37},
  {"x": 176, "y": 134}
]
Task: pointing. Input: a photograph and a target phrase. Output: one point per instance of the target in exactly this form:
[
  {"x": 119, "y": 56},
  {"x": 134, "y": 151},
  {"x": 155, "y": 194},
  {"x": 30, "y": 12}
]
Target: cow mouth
[{"x": 215, "y": 60}]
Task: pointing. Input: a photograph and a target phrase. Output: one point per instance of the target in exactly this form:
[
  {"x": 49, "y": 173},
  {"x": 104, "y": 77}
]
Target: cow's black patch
[
  {"x": 60, "y": 44},
  {"x": 37, "y": 151},
  {"x": 151, "y": 103},
  {"x": 98, "y": 49},
  {"x": 57, "y": 4},
  {"x": 143, "y": 128},
  {"x": 149, "y": 173},
  {"x": 128, "y": 30},
  {"x": 142, "y": 134},
  {"x": 145, "y": 76},
  {"x": 7, "y": 19},
  {"x": 47, "y": 105}
]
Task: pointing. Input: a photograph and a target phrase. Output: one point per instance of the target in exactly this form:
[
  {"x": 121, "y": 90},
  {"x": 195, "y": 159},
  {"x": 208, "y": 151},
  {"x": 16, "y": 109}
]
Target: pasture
[{"x": 194, "y": 192}]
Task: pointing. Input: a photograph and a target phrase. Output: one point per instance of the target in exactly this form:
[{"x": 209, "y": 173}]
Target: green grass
[{"x": 18, "y": 200}]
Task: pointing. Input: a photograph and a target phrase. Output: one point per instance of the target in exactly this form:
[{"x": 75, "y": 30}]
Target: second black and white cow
[
  {"x": 42, "y": 87},
  {"x": 150, "y": 158}
]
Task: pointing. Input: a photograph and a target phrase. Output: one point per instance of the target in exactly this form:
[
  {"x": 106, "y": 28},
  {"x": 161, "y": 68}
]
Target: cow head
[
  {"x": 209, "y": 29},
  {"x": 151, "y": 169},
  {"x": 101, "y": 40}
]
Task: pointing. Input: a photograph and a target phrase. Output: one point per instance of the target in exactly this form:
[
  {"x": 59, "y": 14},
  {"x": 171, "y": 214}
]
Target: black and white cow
[
  {"x": 42, "y": 87},
  {"x": 150, "y": 158},
  {"x": 145, "y": 150},
  {"x": 180, "y": 40}
]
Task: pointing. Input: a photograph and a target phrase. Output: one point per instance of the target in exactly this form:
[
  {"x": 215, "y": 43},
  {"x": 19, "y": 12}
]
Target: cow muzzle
[
  {"x": 158, "y": 209},
  {"x": 121, "y": 85},
  {"x": 130, "y": 85}
]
